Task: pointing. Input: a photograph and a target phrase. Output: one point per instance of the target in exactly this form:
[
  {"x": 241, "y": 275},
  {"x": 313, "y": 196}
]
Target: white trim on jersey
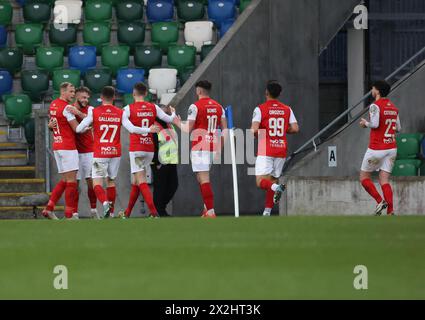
[
  {"x": 85, "y": 124},
  {"x": 374, "y": 117},
  {"x": 68, "y": 115},
  {"x": 257, "y": 117},
  {"x": 129, "y": 126},
  {"x": 192, "y": 113}
]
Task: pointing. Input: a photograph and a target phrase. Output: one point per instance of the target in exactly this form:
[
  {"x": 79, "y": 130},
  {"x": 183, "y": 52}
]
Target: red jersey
[
  {"x": 84, "y": 140},
  {"x": 142, "y": 114},
  {"x": 383, "y": 137},
  {"x": 274, "y": 118},
  {"x": 207, "y": 114},
  {"x": 63, "y": 135},
  {"x": 107, "y": 121}
]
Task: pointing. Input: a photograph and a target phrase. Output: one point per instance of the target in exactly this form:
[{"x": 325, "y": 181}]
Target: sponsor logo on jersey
[
  {"x": 145, "y": 140},
  {"x": 108, "y": 150},
  {"x": 211, "y": 110},
  {"x": 389, "y": 141}
]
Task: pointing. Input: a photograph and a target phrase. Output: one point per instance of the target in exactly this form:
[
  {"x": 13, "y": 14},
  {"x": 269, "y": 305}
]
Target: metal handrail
[{"x": 348, "y": 111}]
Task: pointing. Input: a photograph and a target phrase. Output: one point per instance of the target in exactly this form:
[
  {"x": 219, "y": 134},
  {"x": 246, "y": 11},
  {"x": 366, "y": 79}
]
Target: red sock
[
  {"x": 70, "y": 190},
  {"x": 56, "y": 195},
  {"x": 207, "y": 195},
  {"x": 134, "y": 194},
  {"x": 76, "y": 198},
  {"x": 269, "y": 199},
  {"x": 371, "y": 189},
  {"x": 111, "y": 193},
  {"x": 92, "y": 197},
  {"x": 147, "y": 195},
  {"x": 388, "y": 195},
  {"x": 266, "y": 184},
  {"x": 100, "y": 194}
]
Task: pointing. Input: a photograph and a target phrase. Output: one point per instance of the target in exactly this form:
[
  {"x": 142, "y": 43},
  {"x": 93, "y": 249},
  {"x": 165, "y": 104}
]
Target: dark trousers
[{"x": 165, "y": 184}]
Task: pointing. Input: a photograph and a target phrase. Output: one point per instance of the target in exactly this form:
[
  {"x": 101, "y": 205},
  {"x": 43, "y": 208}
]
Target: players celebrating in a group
[
  {"x": 106, "y": 120},
  {"x": 142, "y": 147},
  {"x": 99, "y": 144},
  {"x": 205, "y": 117},
  {"x": 384, "y": 122},
  {"x": 271, "y": 122}
]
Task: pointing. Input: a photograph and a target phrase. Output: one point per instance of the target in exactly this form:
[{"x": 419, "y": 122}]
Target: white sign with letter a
[{"x": 332, "y": 160}]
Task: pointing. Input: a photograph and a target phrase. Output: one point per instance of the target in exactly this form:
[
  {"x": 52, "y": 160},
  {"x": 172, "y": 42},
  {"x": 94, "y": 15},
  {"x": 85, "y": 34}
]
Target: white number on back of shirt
[{"x": 105, "y": 129}]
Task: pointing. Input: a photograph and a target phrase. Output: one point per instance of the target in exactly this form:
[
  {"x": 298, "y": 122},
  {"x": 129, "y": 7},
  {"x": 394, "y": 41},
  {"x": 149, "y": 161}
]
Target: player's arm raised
[
  {"x": 187, "y": 126},
  {"x": 165, "y": 117},
  {"x": 132, "y": 128},
  {"x": 85, "y": 124},
  {"x": 293, "y": 128}
]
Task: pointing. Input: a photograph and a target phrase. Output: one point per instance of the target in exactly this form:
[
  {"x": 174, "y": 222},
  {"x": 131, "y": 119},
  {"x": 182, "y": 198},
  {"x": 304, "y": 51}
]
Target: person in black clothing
[{"x": 164, "y": 166}]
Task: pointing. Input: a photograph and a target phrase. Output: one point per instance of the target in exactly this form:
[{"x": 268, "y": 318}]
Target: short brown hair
[
  {"x": 65, "y": 85},
  {"x": 83, "y": 89},
  {"x": 204, "y": 84},
  {"x": 108, "y": 93},
  {"x": 140, "y": 88}
]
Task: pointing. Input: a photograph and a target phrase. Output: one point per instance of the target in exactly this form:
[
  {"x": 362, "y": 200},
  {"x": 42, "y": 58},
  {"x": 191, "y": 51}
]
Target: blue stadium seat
[
  {"x": 6, "y": 82},
  {"x": 127, "y": 78},
  {"x": 82, "y": 58},
  {"x": 225, "y": 26},
  {"x": 221, "y": 10},
  {"x": 3, "y": 36},
  {"x": 160, "y": 11}
]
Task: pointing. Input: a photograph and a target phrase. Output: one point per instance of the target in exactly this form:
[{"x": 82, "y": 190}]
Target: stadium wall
[
  {"x": 352, "y": 143},
  {"x": 273, "y": 39},
  {"x": 345, "y": 196}
]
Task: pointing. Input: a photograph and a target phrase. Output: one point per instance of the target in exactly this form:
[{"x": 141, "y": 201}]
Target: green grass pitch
[{"x": 192, "y": 258}]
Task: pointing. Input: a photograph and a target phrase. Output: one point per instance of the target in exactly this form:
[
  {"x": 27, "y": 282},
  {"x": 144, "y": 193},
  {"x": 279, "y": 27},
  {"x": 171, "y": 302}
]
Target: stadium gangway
[{"x": 348, "y": 112}]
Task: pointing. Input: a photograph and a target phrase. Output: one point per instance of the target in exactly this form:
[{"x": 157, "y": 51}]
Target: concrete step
[
  {"x": 13, "y": 158},
  {"x": 22, "y": 185},
  {"x": 3, "y": 134},
  {"x": 13, "y": 172},
  {"x": 12, "y": 199},
  {"x": 26, "y": 212},
  {"x": 6, "y": 146}
]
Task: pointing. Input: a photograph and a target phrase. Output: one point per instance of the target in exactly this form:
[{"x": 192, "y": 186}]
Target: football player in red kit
[
  {"x": 384, "y": 122},
  {"x": 142, "y": 147},
  {"x": 85, "y": 145},
  {"x": 271, "y": 122},
  {"x": 107, "y": 120},
  {"x": 205, "y": 119},
  {"x": 65, "y": 152}
]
